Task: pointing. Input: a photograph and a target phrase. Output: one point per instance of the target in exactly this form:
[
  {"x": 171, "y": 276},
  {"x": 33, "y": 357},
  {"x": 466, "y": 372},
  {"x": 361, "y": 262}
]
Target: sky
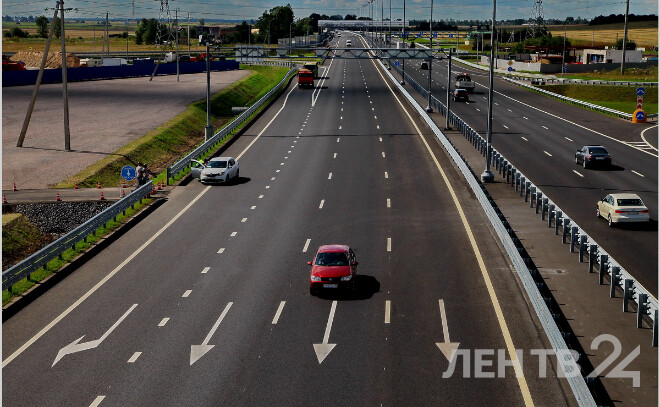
[{"x": 252, "y": 9}]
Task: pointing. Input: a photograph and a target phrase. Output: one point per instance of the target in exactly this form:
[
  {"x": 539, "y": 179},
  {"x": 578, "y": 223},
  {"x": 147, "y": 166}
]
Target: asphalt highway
[
  {"x": 206, "y": 301},
  {"x": 540, "y": 135}
]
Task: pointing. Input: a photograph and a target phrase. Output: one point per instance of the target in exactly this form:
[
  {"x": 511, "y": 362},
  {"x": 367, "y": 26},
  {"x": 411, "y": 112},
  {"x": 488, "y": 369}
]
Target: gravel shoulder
[{"x": 103, "y": 116}]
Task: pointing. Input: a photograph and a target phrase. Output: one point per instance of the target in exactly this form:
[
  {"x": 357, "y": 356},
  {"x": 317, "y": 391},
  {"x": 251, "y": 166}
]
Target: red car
[{"x": 333, "y": 267}]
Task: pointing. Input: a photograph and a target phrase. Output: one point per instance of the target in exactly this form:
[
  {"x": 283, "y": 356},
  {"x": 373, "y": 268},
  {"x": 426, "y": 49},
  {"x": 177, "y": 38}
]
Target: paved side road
[{"x": 103, "y": 116}]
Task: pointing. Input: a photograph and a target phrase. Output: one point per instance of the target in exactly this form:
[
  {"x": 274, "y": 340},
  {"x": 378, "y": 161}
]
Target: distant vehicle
[
  {"x": 9, "y": 65},
  {"x": 348, "y": 43},
  {"x": 424, "y": 65},
  {"x": 314, "y": 68},
  {"x": 217, "y": 171},
  {"x": 305, "y": 78},
  {"x": 463, "y": 81},
  {"x": 593, "y": 155},
  {"x": 620, "y": 208},
  {"x": 460, "y": 95},
  {"x": 334, "y": 267}
]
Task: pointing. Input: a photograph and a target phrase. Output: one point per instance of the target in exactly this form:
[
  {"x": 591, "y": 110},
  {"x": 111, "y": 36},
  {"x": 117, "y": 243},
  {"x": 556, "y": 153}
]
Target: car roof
[
  {"x": 329, "y": 248},
  {"x": 461, "y": 90},
  {"x": 625, "y": 196},
  {"x": 595, "y": 145},
  {"x": 221, "y": 158}
]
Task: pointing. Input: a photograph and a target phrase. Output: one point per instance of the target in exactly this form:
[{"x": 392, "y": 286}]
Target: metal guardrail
[
  {"x": 184, "y": 162},
  {"x": 645, "y": 301},
  {"x": 39, "y": 259}
]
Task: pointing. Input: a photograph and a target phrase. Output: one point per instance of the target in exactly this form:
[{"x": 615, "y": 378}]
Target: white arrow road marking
[
  {"x": 323, "y": 349},
  {"x": 74, "y": 346},
  {"x": 447, "y": 347},
  {"x": 197, "y": 351}
]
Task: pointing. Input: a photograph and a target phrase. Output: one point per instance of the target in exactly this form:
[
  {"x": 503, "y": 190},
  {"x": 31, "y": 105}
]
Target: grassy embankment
[
  {"x": 164, "y": 145},
  {"x": 622, "y": 98}
]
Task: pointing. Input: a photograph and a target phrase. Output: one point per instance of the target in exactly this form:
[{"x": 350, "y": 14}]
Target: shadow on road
[{"x": 365, "y": 288}]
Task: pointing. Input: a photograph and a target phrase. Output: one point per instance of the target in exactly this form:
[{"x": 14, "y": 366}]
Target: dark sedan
[{"x": 592, "y": 156}]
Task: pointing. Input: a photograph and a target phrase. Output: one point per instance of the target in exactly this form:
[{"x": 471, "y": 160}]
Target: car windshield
[
  {"x": 629, "y": 202},
  {"x": 332, "y": 259},
  {"x": 217, "y": 164},
  {"x": 597, "y": 150}
]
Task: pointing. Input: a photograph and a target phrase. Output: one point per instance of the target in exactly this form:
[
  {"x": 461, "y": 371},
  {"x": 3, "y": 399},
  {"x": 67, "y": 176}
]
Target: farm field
[{"x": 644, "y": 33}]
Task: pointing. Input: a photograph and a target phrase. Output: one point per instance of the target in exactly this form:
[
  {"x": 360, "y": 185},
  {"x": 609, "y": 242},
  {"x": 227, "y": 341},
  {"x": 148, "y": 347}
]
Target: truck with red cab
[{"x": 305, "y": 78}]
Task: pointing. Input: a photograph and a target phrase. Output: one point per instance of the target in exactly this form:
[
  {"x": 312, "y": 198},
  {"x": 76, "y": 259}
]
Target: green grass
[
  {"x": 71, "y": 253},
  {"x": 649, "y": 74},
  {"x": 622, "y": 98},
  {"x": 164, "y": 145}
]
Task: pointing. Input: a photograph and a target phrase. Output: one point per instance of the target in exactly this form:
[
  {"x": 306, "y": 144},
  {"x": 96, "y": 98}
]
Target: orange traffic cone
[
  {"x": 75, "y": 185},
  {"x": 58, "y": 197},
  {"x": 4, "y": 199},
  {"x": 153, "y": 190},
  {"x": 102, "y": 197},
  {"x": 159, "y": 187},
  {"x": 98, "y": 185},
  {"x": 15, "y": 187},
  {"x": 123, "y": 192},
  {"x": 123, "y": 183}
]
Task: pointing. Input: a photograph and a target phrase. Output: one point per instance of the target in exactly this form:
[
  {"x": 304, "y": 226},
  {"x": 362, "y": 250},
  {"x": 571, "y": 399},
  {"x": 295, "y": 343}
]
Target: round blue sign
[
  {"x": 640, "y": 91},
  {"x": 128, "y": 173},
  {"x": 510, "y": 69},
  {"x": 640, "y": 115},
  {"x": 396, "y": 63}
]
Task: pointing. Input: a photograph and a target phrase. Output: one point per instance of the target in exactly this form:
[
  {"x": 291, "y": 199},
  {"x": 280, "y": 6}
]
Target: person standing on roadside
[{"x": 139, "y": 173}]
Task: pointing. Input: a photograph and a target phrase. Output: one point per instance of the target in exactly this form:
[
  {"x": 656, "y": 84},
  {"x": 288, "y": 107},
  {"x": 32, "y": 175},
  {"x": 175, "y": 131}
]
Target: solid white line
[
  {"x": 163, "y": 322},
  {"x": 97, "y": 401},
  {"x": 386, "y": 175},
  {"x": 278, "y": 313},
  {"x": 644, "y": 138},
  {"x": 568, "y": 139},
  {"x": 635, "y": 172},
  {"x": 578, "y": 174},
  {"x": 321, "y": 205},
  {"x": 186, "y": 294},
  {"x": 523, "y": 138},
  {"x": 389, "y": 204},
  {"x": 233, "y": 234},
  {"x": 505, "y": 126},
  {"x": 103, "y": 281},
  {"x": 383, "y": 154},
  {"x": 306, "y": 245},
  {"x": 389, "y": 244},
  {"x": 330, "y": 176},
  {"x": 387, "y": 311},
  {"x": 547, "y": 153},
  {"x": 243, "y": 220},
  {"x": 206, "y": 269},
  {"x": 134, "y": 357}
]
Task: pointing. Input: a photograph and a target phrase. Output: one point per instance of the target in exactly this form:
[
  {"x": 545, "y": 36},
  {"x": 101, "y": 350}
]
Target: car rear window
[
  {"x": 332, "y": 259},
  {"x": 597, "y": 150},
  {"x": 629, "y": 202}
]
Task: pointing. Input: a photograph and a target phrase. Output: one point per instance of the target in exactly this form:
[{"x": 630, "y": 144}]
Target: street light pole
[
  {"x": 448, "y": 90},
  {"x": 487, "y": 175},
  {"x": 625, "y": 37},
  {"x": 429, "y": 109},
  {"x": 176, "y": 40},
  {"x": 65, "y": 89},
  {"x": 405, "y": 44},
  {"x": 208, "y": 130}
]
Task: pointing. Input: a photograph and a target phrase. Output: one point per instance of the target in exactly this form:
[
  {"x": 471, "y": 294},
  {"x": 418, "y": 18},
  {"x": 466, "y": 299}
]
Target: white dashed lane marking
[
  {"x": 505, "y": 126},
  {"x": 389, "y": 244},
  {"x": 637, "y": 173},
  {"x": 389, "y": 203},
  {"x": 206, "y": 269},
  {"x": 383, "y": 154},
  {"x": 386, "y": 175},
  {"x": 568, "y": 139},
  {"x": 387, "y": 311},
  {"x": 524, "y": 138},
  {"x": 187, "y": 293},
  {"x": 97, "y": 401},
  {"x": 233, "y": 234},
  {"x": 321, "y": 204},
  {"x": 253, "y": 207},
  {"x": 278, "y": 313},
  {"x": 163, "y": 322},
  {"x": 334, "y": 155},
  {"x": 306, "y": 245},
  {"x": 330, "y": 176},
  {"x": 243, "y": 220},
  {"x": 581, "y": 176},
  {"x": 547, "y": 153},
  {"x": 544, "y": 127},
  {"x": 135, "y": 356}
]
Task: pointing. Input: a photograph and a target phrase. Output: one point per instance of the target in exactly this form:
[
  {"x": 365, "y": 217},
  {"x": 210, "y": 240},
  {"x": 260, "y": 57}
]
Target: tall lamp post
[
  {"x": 487, "y": 175},
  {"x": 405, "y": 44},
  {"x": 429, "y": 109},
  {"x": 208, "y": 130}
]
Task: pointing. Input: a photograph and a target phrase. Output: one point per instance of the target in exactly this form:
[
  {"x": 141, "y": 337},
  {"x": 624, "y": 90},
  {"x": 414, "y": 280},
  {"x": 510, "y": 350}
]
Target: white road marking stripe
[
  {"x": 378, "y": 127},
  {"x": 306, "y": 245},
  {"x": 387, "y": 311},
  {"x": 568, "y": 139},
  {"x": 267, "y": 186},
  {"x": 508, "y": 109},
  {"x": 334, "y": 155},
  {"x": 523, "y": 138},
  {"x": 243, "y": 220},
  {"x": 330, "y": 176},
  {"x": 635, "y": 172},
  {"x": 505, "y": 126},
  {"x": 383, "y": 154},
  {"x": 99, "y": 399},
  {"x": 341, "y": 117},
  {"x": 582, "y": 176},
  {"x": 389, "y": 203},
  {"x": 386, "y": 175},
  {"x": 206, "y": 269},
  {"x": 547, "y": 153},
  {"x": 376, "y": 117},
  {"x": 478, "y": 109},
  {"x": 252, "y": 207},
  {"x": 380, "y": 139},
  {"x": 133, "y": 358},
  {"x": 233, "y": 234},
  {"x": 544, "y": 127},
  {"x": 187, "y": 293},
  {"x": 163, "y": 322},
  {"x": 321, "y": 205},
  {"x": 338, "y": 139},
  {"x": 525, "y": 118},
  {"x": 272, "y": 179},
  {"x": 389, "y": 244},
  {"x": 261, "y": 196},
  {"x": 278, "y": 313},
  {"x": 281, "y": 163}
]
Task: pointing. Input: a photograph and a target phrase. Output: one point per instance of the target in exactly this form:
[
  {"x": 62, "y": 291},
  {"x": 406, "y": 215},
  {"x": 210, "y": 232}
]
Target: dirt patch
[{"x": 33, "y": 59}]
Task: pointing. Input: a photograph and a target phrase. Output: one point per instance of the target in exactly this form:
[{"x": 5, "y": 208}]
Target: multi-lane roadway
[{"x": 205, "y": 302}]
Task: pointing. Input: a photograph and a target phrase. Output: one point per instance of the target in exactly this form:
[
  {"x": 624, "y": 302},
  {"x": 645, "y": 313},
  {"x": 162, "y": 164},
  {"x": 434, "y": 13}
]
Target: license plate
[
  {"x": 330, "y": 285},
  {"x": 600, "y": 158},
  {"x": 633, "y": 213}
]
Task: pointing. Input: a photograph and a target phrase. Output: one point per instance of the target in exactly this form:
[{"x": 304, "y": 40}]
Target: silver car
[{"x": 216, "y": 171}]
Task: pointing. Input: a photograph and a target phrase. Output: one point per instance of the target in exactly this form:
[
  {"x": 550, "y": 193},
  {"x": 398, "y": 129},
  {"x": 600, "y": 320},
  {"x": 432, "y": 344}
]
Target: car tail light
[
  {"x": 619, "y": 211},
  {"x": 589, "y": 157},
  {"x": 646, "y": 211}
]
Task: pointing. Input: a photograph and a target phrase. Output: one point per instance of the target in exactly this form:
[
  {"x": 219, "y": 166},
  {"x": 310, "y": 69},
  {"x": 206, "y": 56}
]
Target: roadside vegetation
[
  {"x": 622, "y": 98},
  {"x": 649, "y": 74},
  {"x": 164, "y": 145}
]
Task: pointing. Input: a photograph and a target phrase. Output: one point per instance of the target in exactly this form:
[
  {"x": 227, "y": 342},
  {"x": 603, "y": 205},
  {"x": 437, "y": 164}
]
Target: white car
[
  {"x": 217, "y": 171},
  {"x": 619, "y": 208},
  {"x": 349, "y": 43}
]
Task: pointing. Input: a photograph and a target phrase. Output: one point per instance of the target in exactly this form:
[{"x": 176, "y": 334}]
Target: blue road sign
[
  {"x": 510, "y": 69},
  {"x": 451, "y": 35},
  {"x": 396, "y": 63},
  {"x": 640, "y": 115},
  {"x": 641, "y": 91},
  {"x": 128, "y": 173}
]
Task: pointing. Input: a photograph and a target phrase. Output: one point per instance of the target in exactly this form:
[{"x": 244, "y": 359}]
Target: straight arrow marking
[
  {"x": 323, "y": 349},
  {"x": 447, "y": 347},
  {"x": 197, "y": 351},
  {"x": 74, "y": 346}
]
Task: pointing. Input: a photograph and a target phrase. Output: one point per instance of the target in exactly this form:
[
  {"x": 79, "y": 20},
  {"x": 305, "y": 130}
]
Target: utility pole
[
  {"x": 448, "y": 90},
  {"x": 404, "y": 37},
  {"x": 176, "y": 40},
  {"x": 107, "y": 33},
  {"x": 563, "y": 53},
  {"x": 188, "y": 23},
  {"x": 487, "y": 175},
  {"x": 429, "y": 109},
  {"x": 625, "y": 38},
  {"x": 65, "y": 90},
  {"x": 35, "y": 92},
  {"x": 208, "y": 130}
]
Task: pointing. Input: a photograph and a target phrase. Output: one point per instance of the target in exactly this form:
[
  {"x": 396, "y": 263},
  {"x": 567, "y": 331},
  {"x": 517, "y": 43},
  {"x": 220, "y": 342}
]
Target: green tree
[
  {"x": 58, "y": 27},
  {"x": 146, "y": 31},
  {"x": 202, "y": 22},
  {"x": 16, "y": 32},
  {"x": 630, "y": 44},
  {"x": 42, "y": 26},
  {"x": 276, "y": 21}
]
